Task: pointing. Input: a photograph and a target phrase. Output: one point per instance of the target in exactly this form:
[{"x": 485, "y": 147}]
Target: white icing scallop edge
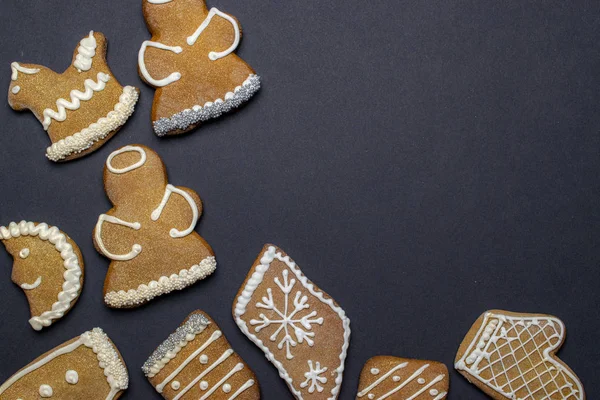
[
  {"x": 244, "y": 299},
  {"x": 98, "y": 130},
  {"x": 108, "y": 359},
  {"x": 71, "y": 287},
  {"x": 164, "y": 285}
]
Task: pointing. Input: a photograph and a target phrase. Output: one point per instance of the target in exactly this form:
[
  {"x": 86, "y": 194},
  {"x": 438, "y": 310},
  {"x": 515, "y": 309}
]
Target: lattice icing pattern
[{"x": 513, "y": 355}]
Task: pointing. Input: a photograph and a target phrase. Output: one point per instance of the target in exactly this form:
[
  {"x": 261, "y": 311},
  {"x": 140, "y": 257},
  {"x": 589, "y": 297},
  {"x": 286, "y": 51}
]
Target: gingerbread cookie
[
  {"x": 512, "y": 356},
  {"x": 197, "y": 362},
  {"x": 48, "y": 266},
  {"x": 86, "y": 367},
  {"x": 81, "y": 108},
  {"x": 190, "y": 60},
  {"x": 149, "y": 233},
  {"x": 300, "y": 328},
  {"x": 393, "y": 378}
]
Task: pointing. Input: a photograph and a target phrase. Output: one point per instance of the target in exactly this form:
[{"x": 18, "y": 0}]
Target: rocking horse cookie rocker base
[
  {"x": 81, "y": 108},
  {"x": 190, "y": 60},
  {"x": 149, "y": 233}
]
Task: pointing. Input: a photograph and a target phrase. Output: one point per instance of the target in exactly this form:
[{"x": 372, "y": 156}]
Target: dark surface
[{"x": 421, "y": 161}]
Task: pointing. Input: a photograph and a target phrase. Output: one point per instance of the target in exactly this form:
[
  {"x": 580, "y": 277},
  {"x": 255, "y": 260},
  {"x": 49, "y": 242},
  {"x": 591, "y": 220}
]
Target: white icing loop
[
  {"x": 86, "y": 51},
  {"x": 131, "y": 167},
  {"x": 173, "y": 77},
  {"x": 16, "y": 68},
  {"x": 214, "y": 55},
  {"x": 136, "y": 249},
  {"x": 31, "y": 286},
  {"x": 175, "y": 233}
]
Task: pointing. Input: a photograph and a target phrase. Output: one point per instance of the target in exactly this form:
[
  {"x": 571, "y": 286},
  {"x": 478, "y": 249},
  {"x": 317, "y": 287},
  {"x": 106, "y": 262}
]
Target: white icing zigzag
[
  {"x": 71, "y": 287},
  {"x": 76, "y": 98},
  {"x": 86, "y": 51},
  {"x": 98, "y": 130}
]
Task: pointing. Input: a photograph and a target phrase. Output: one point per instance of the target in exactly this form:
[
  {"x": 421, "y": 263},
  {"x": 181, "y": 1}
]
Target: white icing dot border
[{"x": 248, "y": 291}]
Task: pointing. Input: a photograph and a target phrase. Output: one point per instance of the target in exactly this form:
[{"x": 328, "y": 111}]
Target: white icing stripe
[
  {"x": 424, "y": 388},
  {"x": 244, "y": 299},
  {"x": 71, "y": 286},
  {"x": 131, "y": 167},
  {"x": 86, "y": 51},
  {"x": 406, "y": 382},
  {"x": 214, "y": 55},
  {"x": 175, "y": 233},
  {"x": 223, "y": 357},
  {"x": 237, "y": 368},
  {"x": 175, "y": 76},
  {"x": 136, "y": 249},
  {"x": 441, "y": 396},
  {"x": 16, "y": 68},
  {"x": 381, "y": 379},
  {"x": 30, "y": 286},
  {"x": 216, "y": 335},
  {"x": 249, "y": 383}
]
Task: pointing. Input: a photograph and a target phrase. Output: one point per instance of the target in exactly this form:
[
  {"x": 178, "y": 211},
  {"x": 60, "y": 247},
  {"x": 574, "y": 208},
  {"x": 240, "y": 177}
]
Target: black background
[{"x": 422, "y": 161}]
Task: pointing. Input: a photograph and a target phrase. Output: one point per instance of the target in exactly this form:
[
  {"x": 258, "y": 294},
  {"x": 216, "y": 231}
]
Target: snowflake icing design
[
  {"x": 314, "y": 378},
  {"x": 295, "y": 329}
]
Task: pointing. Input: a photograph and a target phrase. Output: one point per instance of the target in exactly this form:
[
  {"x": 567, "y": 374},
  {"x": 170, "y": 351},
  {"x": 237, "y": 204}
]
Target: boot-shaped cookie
[
  {"x": 512, "y": 356},
  {"x": 197, "y": 362},
  {"x": 48, "y": 266},
  {"x": 149, "y": 233},
  {"x": 86, "y": 367},
  {"x": 190, "y": 60},
  {"x": 81, "y": 108},
  {"x": 301, "y": 330},
  {"x": 393, "y": 378}
]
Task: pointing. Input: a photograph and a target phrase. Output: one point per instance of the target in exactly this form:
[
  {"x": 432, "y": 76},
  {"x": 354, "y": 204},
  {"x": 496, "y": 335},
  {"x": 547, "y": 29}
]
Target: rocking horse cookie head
[
  {"x": 48, "y": 267},
  {"x": 81, "y": 108}
]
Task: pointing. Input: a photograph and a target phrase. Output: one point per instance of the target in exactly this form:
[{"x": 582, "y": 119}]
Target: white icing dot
[
  {"x": 24, "y": 253},
  {"x": 16, "y": 89},
  {"x": 203, "y": 359},
  {"x": 227, "y": 388},
  {"x": 421, "y": 381},
  {"x": 374, "y": 371},
  {"x": 46, "y": 391},
  {"x": 72, "y": 377},
  {"x": 434, "y": 392},
  {"x": 371, "y": 396},
  {"x": 396, "y": 378},
  {"x": 203, "y": 385},
  {"x": 175, "y": 385}
]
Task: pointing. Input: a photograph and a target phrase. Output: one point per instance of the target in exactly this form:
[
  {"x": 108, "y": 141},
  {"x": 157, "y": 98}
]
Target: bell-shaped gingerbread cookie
[
  {"x": 48, "y": 266},
  {"x": 190, "y": 60},
  {"x": 512, "y": 356},
  {"x": 149, "y": 233},
  {"x": 197, "y": 362},
  {"x": 300, "y": 328},
  {"x": 86, "y": 367},
  {"x": 81, "y": 108}
]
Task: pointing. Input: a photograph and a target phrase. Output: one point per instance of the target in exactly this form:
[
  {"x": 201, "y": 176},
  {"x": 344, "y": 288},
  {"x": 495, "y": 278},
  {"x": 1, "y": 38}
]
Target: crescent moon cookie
[
  {"x": 393, "y": 378},
  {"x": 80, "y": 108},
  {"x": 86, "y": 367},
  {"x": 300, "y": 328},
  {"x": 512, "y": 356},
  {"x": 197, "y": 362},
  {"x": 191, "y": 62},
  {"x": 149, "y": 233},
  {"x": 48, "y": 266}
]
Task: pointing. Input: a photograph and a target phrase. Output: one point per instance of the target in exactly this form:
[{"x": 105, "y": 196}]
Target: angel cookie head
[
  {"x": 48, "y": 266},
  {"x": 149, "y": 233},
  {"x": 190, "y": 60},
  {"x": 82, "y": 107}
]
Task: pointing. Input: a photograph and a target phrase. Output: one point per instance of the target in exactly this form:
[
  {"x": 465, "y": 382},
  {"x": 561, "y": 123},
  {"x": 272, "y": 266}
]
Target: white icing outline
[
  {"x": 131, "y": 167},
  {"x": 31, "y": 286},
  {"x": 71, "y": 286},
  {"x": 175, "y": 233},
  {"x": 252, "y": 284},
  {"x": 85, "y": 53},
  {"x": 215, "y": 55},
  {"x": 136, "y": 249},
  {"x": 16, "y": 68},
  {"x": 461, "y": 363},
  {"x": 77, "y": 96},
  {"x": 173, "y": 77}
]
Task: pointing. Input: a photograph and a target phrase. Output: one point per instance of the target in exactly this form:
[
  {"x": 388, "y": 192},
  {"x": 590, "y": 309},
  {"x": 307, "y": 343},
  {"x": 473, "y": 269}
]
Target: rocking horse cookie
[
  {"x": 48, "y": 266},
  {"x": 86, "y": 367},
  {"x": 149, "y": 233},
  {"x": 300, "y": 328},
  {"x": 81, "y": 108},
  {"x": 190, "y": 60}
]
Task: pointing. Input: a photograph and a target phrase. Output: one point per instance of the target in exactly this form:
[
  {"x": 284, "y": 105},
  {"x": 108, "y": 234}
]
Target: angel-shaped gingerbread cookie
[
  {"x": 190, "y": 60},
  {"x": 149, "y": 233},
  {"x": 80, "y": 108}
]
